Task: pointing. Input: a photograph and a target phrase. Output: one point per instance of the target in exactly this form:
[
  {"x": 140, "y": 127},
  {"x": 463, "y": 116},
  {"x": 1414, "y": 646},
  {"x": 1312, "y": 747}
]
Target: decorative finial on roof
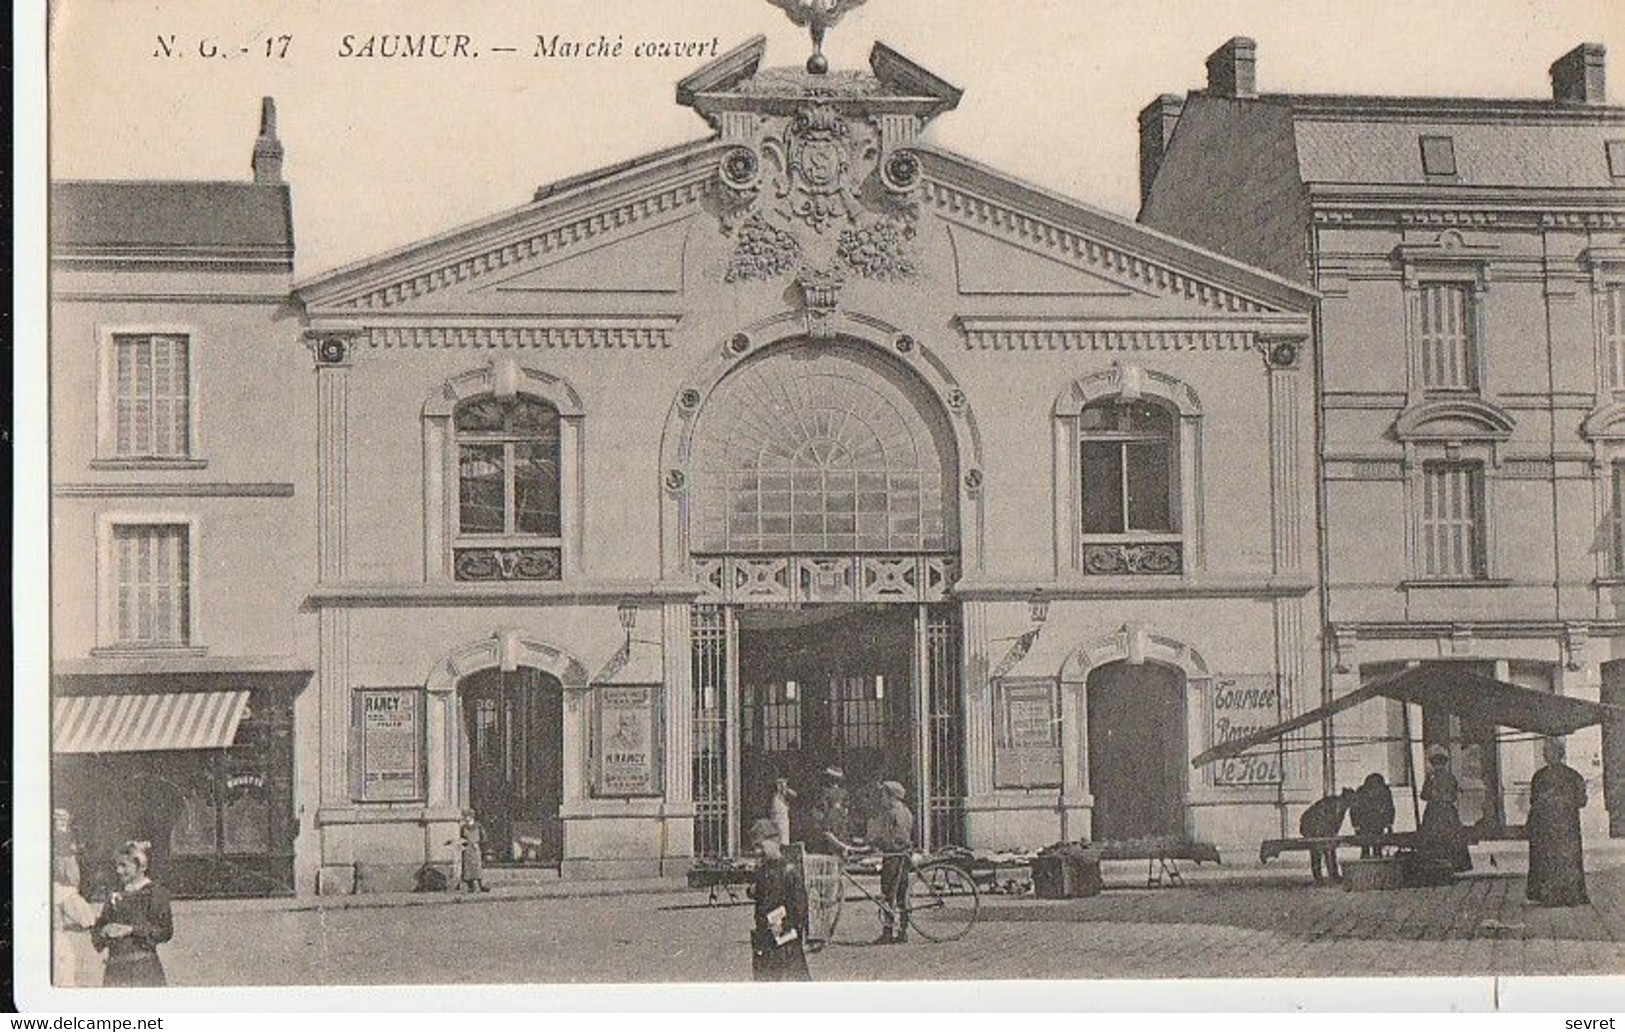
[
  {"x": 818, "y": 16},
  {"x": 267, "y": 148}
]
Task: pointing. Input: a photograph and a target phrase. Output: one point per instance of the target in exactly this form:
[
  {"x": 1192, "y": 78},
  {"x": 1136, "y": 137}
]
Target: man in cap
[
  {"x": 891, "y": 830},
  {"x": 780, "y": 931},
  {"x": 831, "y": 815}
]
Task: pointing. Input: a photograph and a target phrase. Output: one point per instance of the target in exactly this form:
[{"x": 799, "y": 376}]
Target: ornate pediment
[{"x": 1454, "y": 419}]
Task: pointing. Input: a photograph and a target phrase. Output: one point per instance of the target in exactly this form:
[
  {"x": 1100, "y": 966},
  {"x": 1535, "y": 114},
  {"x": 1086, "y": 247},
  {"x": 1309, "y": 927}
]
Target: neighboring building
[
  {"x": 1470, "y": 257},
  {"x": 181, "y": 480},
  {"x": 769, "y": 452}
]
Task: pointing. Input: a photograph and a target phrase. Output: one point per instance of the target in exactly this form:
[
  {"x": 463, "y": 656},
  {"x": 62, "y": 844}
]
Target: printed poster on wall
[
  {"x": 627, "y": 754},
  {"x": 390, "y": 750},
  {"x": 1240, "y": 705},
  {"x": 1027, "y": 747}
]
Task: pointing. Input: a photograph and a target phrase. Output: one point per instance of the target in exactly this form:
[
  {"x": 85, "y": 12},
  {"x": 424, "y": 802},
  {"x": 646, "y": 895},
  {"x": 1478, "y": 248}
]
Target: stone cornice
[
  {"x": 964, "y": 191},
  {"x": 1489, "y": 207},
  {"x": 133, "y": 663},
  {"x": 1093, "y": 588},
  {"x": 540, "y": 593},
  {"x": 175, "y": 489},
  {"x": 584, "y": 333},
  {"x": 1007, "y": 333}
]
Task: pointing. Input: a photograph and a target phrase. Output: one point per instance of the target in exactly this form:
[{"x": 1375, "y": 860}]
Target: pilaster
[
  {"x": 978, "y": 702},
  {"x": 332, "y": 356},
  {"x": 679, "y": 705}
]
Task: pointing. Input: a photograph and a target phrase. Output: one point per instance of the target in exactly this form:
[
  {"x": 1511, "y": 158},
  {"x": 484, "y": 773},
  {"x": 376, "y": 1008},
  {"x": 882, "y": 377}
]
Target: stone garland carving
[
  {"x": 1147, "y": 558},
  {"x": 507, "y": 564},
  {"x": 818, "y": 200}
]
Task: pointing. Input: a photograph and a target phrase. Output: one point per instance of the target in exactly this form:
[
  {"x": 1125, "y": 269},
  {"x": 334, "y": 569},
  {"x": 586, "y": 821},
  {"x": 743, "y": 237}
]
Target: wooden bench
[{"x": 1272, "y": 848}]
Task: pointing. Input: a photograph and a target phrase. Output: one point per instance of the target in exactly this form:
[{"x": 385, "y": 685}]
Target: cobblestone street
[{"x": 1233, "y": 923}]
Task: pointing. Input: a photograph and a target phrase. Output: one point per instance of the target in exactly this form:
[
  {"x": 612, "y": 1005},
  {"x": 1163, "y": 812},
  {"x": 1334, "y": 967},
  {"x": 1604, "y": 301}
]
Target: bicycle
[{"x": 943, "y": 900}]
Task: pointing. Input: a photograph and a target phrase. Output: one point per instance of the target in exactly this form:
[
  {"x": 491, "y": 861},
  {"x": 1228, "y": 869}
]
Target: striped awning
[{"x": 147, "y": 721}]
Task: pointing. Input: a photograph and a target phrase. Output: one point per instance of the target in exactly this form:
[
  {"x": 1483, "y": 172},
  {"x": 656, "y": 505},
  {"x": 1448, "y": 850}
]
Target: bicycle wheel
[{"x": 942, "y": 902}]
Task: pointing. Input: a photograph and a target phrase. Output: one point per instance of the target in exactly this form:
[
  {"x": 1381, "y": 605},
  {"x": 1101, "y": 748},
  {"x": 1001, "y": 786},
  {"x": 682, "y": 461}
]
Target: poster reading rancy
[
  {"x": 625, "y": 733},
  {"x": 1242, "y": 704},
  {"x": 390, "y": 746},
  {"x": 1027, "y": 749}
]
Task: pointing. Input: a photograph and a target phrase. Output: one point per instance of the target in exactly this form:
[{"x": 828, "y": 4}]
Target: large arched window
[
  {"x": 821, "y": 450},
  {"x": 508, "y": 468},
  {"x": 1128, "y": 455}
]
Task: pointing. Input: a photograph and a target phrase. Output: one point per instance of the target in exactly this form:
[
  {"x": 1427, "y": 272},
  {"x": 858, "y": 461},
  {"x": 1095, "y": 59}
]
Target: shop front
[{"x": 205, "y": 772}]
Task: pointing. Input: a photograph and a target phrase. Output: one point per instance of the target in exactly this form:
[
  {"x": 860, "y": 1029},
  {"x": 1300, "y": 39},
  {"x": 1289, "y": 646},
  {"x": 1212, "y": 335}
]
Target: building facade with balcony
[
  {"x": 1469, "y": 257},
  {"x": 182, "y": 544},
  {"x": 805, "y": 444}
]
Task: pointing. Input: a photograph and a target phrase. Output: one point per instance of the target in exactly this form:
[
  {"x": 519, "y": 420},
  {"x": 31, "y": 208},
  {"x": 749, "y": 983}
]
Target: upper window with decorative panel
[
  {"x": 1129, "y": 455},
  {"x": 147, "y": 409},
  {"x": 508, "y": 474}
]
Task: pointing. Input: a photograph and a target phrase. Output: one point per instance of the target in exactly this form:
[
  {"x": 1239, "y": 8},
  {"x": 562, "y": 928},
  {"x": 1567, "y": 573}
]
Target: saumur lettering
[{"x": 422, "y": 45}]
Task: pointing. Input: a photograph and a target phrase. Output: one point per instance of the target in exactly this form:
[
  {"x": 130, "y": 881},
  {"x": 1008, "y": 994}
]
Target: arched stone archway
[{"x": 505, "y": 651}]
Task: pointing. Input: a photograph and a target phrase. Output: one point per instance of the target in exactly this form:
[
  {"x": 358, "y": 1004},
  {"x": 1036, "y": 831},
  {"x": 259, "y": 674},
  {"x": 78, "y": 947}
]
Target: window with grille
[
  {"x": 1616, "y": 521},
  {"x": 1449, "y": 347},
  {"x": 1129, "y": 457},
  {"x": 151, "y": 584},
  {"x": 1613, "y": 334},
  {"x": 1452, "y": 524},
  {"x": 151, "y": 404},
  {"x": 508, "y": 467}
]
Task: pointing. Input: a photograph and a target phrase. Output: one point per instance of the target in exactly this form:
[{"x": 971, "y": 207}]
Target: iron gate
[
  {"x": 710, "y": 679},
  {"x": 945, "y": 727}
]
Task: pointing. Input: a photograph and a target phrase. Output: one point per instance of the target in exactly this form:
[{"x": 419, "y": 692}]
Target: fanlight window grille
[{"x": 819, "y": 453}]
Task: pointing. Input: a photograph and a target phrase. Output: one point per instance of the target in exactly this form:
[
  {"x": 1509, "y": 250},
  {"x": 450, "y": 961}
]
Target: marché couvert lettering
[{"x": 604, "y": 46}]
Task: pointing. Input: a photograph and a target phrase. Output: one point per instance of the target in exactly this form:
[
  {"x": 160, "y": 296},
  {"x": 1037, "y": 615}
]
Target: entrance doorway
[
  {"x": 821, "y": 686},
  {"x": 1137, "y": 751},
  {"x": 514, "y": 722}
]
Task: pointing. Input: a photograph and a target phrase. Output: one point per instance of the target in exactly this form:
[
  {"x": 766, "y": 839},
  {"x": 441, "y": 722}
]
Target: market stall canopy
[{"x": 1456, "y": 691}]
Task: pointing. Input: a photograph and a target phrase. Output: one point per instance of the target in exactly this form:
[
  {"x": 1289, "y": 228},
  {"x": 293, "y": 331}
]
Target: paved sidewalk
[{"x": 1265, "y": 923}]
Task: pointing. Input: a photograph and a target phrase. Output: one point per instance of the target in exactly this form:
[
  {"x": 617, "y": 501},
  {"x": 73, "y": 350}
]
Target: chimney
[
  {"x": 268, "y": 149},
  {"x": 1231, "y": 69},
  {"x": 1580, "y": 76},
  {"x": 1157, "y": 121}
]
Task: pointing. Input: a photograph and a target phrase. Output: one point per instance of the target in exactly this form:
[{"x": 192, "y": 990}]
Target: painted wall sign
[
  {"x": 1240, "y": 705},
  {"x": 1027, "y": 746},
  {"x": 389, "y": 752},
  {"x": 626, "y": 733}
]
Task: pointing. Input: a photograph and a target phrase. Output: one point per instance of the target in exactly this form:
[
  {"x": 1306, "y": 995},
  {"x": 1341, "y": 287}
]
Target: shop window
[
  {"x": 147, "y": 403},
  {"x": 150, "y": 584},
  {"x": 1451, "y": 529},
  {"x": 1449, "y": 346},
  {"x": 1129, "y": 462}
]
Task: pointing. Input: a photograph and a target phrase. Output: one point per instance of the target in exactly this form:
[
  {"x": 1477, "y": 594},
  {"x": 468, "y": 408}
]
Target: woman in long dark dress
[
  {"x": 1557, "y": 876},
  {"x": 779, "y": 936},
  {"x": 1442, "y": 834},
  {"x": 135, "y": 921}
]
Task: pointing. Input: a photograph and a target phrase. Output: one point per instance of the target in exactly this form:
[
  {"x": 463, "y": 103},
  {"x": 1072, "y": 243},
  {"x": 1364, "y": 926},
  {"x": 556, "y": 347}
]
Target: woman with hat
[
  {"x": 777, "y": 941},
  {"x": 1443, "y": 838},
  {"x": 135, "y": 921}
]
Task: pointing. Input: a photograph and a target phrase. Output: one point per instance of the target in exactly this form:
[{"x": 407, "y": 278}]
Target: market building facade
[
  {"x": 1469, "y": 257},
  {"x": 805, "y": 444}
]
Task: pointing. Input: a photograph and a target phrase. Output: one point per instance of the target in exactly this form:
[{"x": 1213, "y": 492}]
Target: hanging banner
[
  {"x": 1240, "y": 705},
  {"x": 389, "y": 750},
  {"x": 1027, "y": 747},
  {"x": 626, "y": 732}
]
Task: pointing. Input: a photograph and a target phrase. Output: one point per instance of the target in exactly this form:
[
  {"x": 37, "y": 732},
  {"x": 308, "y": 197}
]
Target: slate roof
[
  {"x": 1498, "y": 143},
  {"x": 200, "y": 221}
]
